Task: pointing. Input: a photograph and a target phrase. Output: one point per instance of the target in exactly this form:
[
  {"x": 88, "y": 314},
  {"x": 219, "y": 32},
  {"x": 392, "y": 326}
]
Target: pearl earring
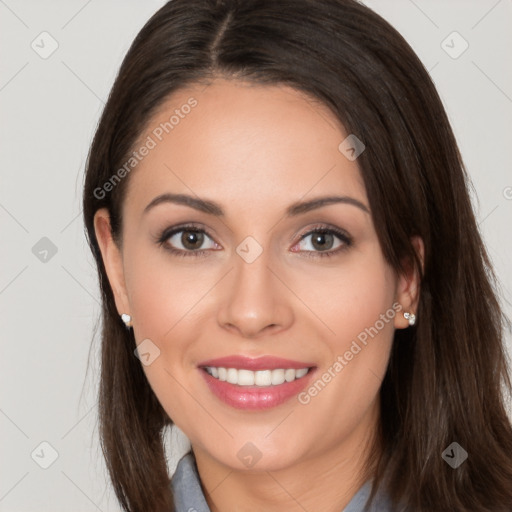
[
  {"x": 411, "y": 317},
  {"x": 127, "y": 319}
]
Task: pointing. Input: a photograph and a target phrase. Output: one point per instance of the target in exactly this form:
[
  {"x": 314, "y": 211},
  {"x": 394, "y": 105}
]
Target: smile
[{"x": 255, "y": 383}]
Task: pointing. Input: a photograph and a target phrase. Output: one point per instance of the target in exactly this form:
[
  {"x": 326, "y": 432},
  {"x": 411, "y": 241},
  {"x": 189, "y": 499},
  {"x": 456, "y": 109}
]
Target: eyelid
[
  {"x": 321, "y": 226},
  {"x": 188, "y": 226}
]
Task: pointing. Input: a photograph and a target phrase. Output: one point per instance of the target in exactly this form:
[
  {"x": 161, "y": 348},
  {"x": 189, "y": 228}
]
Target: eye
[
  {"x": 191, "y": 240},
  {"x": 187, "y": 241},
  {"x": 323, "y": 241}
]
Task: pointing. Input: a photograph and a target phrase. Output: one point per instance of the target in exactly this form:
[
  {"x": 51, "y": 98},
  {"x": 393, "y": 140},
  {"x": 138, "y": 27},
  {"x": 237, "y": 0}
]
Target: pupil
[
  {"x": 192, "y": 239},
  {"x": 319, "y": 241}
]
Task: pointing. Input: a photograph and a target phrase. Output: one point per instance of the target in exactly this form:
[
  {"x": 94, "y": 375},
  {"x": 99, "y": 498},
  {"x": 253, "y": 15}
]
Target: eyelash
[{"x": 322, "y": 229}]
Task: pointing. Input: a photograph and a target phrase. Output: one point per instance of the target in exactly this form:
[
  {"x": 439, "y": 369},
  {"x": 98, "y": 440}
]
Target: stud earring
[
  {"x": 411, "y": 317},
  {"x": 127, "y": 319}
]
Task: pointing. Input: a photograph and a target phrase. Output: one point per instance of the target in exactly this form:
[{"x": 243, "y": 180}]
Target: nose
[{"x": 255, "y": 302}]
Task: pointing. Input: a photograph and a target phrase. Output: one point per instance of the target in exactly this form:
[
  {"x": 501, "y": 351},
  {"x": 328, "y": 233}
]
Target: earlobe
[
  {"x": 112, "y": 259},
  {"x": 408, "y": 288}
]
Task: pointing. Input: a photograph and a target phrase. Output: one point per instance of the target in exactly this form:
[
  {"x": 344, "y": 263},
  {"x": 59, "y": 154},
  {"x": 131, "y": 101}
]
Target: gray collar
[
  {"x": 188, "y": 495},
  {"x": 186, "y": 487}
]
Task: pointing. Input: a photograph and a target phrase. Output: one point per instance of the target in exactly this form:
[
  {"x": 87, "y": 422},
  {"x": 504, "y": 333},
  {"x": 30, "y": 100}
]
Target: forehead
[{"x": 240, "y": 141}]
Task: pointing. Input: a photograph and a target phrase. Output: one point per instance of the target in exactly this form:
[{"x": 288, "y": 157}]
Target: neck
[{"x": 326, "y": 481}]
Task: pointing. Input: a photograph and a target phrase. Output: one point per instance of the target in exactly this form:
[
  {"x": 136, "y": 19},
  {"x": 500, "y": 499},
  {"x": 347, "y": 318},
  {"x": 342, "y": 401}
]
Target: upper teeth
[{"x": 258, "y": 378}]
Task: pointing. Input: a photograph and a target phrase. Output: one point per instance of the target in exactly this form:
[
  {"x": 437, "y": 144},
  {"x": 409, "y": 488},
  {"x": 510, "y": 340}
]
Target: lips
[{"x": 255, "y": 383}]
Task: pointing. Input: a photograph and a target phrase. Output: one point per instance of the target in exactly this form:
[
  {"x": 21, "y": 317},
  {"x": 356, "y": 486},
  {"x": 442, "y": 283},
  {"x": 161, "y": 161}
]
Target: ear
[
  {"x": 408, "y": 286},
  {"x": 112, "y": 259}
]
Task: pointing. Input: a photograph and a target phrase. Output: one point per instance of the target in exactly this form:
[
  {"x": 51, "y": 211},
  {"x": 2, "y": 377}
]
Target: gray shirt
[{"x": 189, "y": 497}]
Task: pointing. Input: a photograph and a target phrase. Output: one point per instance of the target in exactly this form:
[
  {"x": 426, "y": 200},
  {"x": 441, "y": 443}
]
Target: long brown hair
[{"x": 447, "y": 378}]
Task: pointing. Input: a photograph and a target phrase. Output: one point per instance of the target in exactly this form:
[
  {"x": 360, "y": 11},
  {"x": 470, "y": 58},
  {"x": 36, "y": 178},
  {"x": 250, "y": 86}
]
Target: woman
[{"x": 291, "y": 271}]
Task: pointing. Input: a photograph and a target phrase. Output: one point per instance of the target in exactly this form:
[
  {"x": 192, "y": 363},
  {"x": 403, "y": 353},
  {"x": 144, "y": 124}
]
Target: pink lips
[
  {"x": 254, "y": 364},
  {"x": 255, "y": 397}
]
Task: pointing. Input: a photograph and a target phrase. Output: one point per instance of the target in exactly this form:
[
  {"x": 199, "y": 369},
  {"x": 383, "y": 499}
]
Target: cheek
[
  {"x": 162, "y": 294},
  {"x": 356, "y": 310},
  {"x": 165, "y": 302},
  {"x": 348, "y": 300}
]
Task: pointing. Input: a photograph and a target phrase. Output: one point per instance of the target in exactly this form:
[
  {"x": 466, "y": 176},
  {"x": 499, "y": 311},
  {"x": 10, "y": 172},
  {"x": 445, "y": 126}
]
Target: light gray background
[{"x": 49, "y": 110}]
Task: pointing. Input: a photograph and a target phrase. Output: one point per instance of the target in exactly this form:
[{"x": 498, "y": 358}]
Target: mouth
[{"x": 255, "y": 384}]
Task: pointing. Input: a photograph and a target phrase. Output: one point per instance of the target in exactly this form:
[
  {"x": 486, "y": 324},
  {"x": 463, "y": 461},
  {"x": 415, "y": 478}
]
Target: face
[{"x": 267, "y": 314}]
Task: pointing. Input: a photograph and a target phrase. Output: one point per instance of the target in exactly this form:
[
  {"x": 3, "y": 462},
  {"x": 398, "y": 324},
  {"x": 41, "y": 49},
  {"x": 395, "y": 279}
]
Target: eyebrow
[{"x": 214, "y": 208}]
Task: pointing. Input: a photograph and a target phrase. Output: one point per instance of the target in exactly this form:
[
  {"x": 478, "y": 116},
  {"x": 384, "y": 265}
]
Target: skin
[{"x": 255, "y": 150}]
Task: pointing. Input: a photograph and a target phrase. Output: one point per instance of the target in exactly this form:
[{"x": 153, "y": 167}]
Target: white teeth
[
  {"x": 245, "y": 378},
  {"x": 232, "y": 377},
  {"x": 278, "y": 377},
  {"x": 289, "y": 375},
  {"x": 262, "y": 378},
  {"x": 300, "y": 373}
]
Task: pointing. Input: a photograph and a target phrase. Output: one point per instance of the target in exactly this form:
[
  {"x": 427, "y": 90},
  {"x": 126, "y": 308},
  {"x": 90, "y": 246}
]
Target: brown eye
[
  {"x": 192, "y": 239},
  {"x": 187, "y": 241},
  {"x": 322, "y": 241}
]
